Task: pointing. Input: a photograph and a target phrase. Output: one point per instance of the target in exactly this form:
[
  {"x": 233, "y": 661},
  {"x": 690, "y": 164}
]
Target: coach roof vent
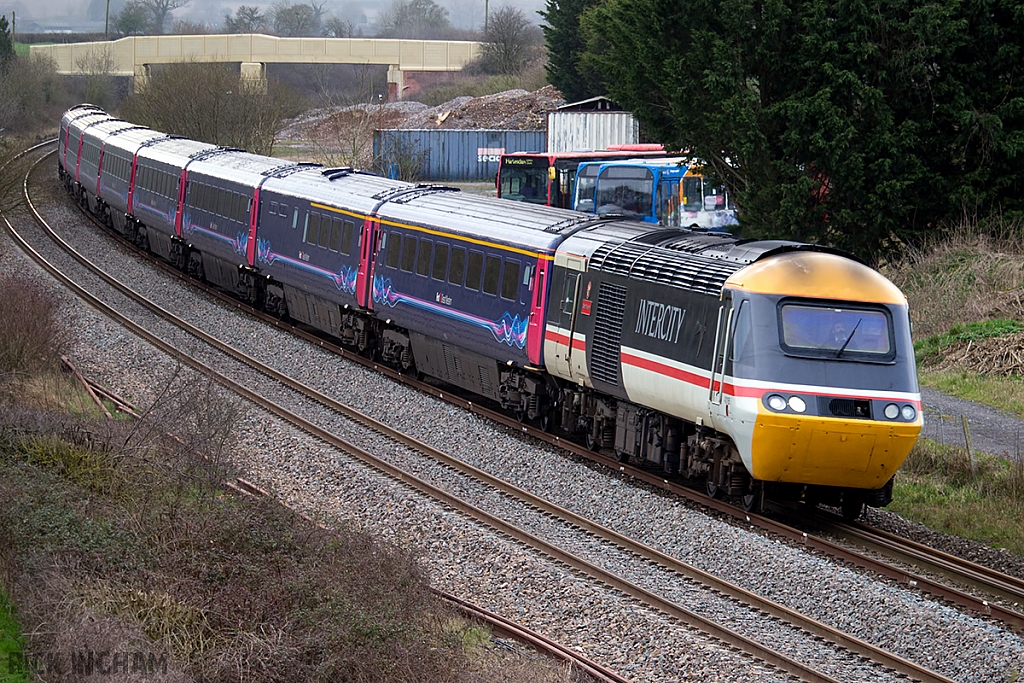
[{"x": 288, "y": 169}]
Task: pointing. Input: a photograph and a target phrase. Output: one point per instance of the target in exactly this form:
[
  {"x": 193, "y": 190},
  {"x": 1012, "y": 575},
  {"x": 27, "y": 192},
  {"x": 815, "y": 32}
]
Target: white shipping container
[{"x": 577, "y": 131}]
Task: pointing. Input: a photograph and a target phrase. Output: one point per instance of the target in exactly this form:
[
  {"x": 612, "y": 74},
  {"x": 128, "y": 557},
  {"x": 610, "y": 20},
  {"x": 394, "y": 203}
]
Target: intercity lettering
[{"x": 659, "y": 320}]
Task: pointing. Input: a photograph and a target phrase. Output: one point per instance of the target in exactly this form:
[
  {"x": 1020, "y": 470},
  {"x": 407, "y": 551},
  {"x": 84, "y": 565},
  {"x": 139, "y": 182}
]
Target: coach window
[
  {"x": 313, "y": 229},
  {"x": 527, "y": 283},
  {"x": 458, "y": 266},
  {"x": 346, "y": 237},
  {"x": 273, "y": 208},
  {"x": 325, "y": 232},
  {"x": 335, "y": 235},
  {"x": 295, "y": 217},
  {"x": 440, "y": 261},
  {"x": 510, "y": 280},
  {"x": 423, "y": 264},
  {"x": 394, "y": 249},
  {"x": 408, "y": 253},
  {"x": 474, "y": 269},
  {"x": 492, "y": 274}
]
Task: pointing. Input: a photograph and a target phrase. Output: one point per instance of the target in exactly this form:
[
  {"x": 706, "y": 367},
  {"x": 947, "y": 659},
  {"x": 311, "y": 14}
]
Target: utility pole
[
  {"x": 106, "y": 22},
  {"x": 486, "y": 2}
]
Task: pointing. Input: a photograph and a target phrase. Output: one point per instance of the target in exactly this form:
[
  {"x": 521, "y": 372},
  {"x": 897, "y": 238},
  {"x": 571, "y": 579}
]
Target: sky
[{"x": 79, "y": 14}]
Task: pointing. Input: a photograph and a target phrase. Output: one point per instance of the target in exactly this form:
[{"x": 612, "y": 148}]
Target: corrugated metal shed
[
  {"x": 576, "y": 131},
  {"x": 439, "y": 155}
]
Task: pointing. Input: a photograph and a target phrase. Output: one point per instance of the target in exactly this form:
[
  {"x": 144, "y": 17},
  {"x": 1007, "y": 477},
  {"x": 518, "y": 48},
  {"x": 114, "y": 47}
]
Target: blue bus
[{"x": 670, "y": 191}]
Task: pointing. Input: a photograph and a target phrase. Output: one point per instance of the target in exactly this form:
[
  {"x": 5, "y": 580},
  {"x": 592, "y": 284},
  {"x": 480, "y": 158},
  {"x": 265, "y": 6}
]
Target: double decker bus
[
  {"x": 549, "y": 178},
  {"x": 670, "y": 191}
]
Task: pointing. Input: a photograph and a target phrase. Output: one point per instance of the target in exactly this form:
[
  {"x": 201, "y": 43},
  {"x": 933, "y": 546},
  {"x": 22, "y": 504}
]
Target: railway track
[{"x": 606, "y": 536}]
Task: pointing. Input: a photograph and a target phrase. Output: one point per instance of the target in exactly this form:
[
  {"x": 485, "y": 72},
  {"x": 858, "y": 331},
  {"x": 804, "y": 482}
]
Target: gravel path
[
  {"x": 992, "y": 431},
  {"x": 501, "y": 575}
]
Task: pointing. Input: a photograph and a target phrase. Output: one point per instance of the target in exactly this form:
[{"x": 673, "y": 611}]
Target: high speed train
[{"x": 761, "y": 367}]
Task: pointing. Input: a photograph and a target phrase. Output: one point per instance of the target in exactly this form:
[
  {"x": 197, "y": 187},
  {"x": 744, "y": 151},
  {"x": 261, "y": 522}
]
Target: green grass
[
  {"x": 10, "y": 641},
  {"x": 997, "y": 391},
  {"x": 21, "y": 49},
  {"x": 1004, "y": 393},
  {"x": 941, "y": 488},
  {"x": 931, "y": 347}
]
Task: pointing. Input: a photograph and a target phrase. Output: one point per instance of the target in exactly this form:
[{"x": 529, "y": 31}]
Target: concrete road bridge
[{"x": 135, "y": 55}]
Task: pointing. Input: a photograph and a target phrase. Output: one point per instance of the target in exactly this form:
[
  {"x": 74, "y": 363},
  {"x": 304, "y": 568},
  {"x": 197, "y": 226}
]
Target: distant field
[{"x": 21, "y": 49}]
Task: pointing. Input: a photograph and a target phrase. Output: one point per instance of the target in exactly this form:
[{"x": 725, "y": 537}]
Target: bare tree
[
  {"x": 423, "y": 19},
  {"x": 338, "y": 27},
  {"x": 295, "y": 20},
  {"x": 159, "y": 9},
  {"x": 247, "y": 19},
  {"x": 509, "y": 42},
  {"x": 184, "y": 27},
  {"x": 209, "y": 102},
  {"x": 134, "y": 19},
  {"x": 96, "y": 68}
]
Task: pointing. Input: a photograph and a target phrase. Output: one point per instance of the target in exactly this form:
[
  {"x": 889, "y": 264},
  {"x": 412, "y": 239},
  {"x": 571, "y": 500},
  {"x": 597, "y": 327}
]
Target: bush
[{"x": 34, "y": 336}]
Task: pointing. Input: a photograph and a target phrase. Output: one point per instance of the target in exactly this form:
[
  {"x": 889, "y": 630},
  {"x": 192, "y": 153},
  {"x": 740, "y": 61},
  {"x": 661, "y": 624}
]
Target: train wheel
[
  {"x": 547, "y": 420},
  {"x": 752, "y": 499},
  {"x": 713, "y": 489},
  {"x": 852, "y": 507}
]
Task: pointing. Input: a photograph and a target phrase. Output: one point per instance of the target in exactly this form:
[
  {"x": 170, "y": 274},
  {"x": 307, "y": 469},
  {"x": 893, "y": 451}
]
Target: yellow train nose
[{"x": 830, "y": 451}]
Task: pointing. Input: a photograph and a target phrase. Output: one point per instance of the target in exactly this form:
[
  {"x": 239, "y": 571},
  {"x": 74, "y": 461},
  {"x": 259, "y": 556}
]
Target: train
[{"x": 757, "y": 368}]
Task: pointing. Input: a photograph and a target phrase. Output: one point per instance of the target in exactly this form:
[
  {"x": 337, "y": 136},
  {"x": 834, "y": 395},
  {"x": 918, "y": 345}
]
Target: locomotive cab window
[
  {"x": 836, "y": 332},
  {"x": 569, "y": 293},
  {"x": 741, "y": 335}
]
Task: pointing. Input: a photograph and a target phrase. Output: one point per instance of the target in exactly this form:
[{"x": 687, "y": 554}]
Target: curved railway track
[{"x": 606, "y": 536}]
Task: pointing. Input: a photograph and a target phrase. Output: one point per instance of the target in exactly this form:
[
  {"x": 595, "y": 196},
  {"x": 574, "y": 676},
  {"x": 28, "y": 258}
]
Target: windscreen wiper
[{"x": 849, "y": 339}]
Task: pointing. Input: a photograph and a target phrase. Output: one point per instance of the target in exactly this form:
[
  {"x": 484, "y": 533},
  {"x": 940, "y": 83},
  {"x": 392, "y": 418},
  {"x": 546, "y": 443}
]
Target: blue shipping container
[{"x": 440, "y": 155}]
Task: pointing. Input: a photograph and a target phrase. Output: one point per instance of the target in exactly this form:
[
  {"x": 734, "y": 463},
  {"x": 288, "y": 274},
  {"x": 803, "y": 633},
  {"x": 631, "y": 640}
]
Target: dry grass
[
  {"x": 118, "y": 538},
  {"x": 981, "y": 498},
  {"x": 33, "y": 336},
  {"x": 969, "y": 273}
]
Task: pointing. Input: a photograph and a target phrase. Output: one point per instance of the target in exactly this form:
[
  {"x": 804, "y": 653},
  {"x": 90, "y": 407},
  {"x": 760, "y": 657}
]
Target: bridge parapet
[{"x": 131, "y": 56}]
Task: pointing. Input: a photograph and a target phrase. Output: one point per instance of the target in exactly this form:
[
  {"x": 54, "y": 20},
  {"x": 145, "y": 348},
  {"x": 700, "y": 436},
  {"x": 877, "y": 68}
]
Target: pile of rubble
[{"x": 509, "y": 110}]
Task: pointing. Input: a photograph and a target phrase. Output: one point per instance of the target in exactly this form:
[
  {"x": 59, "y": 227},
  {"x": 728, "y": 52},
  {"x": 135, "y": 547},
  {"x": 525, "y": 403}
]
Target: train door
[
  {"x": 563, "y": 315},
  {"x": 723, "y": 337},
  {"x": 535, "y": 333},
  {"x": 367, "y": 249}
]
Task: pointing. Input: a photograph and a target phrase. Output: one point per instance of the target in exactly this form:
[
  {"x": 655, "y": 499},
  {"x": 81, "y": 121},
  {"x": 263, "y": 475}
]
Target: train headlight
[
  {"x": 892, "y": 411},
  {"x": 776, "y": 403},
  {"x": 797, "y": 404},
  {"x": 909, "y": 413}
]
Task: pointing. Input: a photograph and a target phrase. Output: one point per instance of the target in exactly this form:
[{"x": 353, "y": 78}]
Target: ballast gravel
[{"x": 497, "y": 573}]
